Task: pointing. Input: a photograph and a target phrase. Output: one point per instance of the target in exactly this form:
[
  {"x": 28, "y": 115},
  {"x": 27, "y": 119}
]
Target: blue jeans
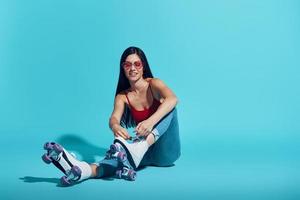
[{"x": 166, "y": 150}]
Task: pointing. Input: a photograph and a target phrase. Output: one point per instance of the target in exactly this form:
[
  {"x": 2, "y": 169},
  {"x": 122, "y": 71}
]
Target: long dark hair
[{"x": 123, "y": 83}]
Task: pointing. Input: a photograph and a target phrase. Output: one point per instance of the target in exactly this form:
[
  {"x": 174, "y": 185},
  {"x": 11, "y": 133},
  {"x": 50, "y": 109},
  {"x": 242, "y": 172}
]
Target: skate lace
[{"x": 136, "y": 139}]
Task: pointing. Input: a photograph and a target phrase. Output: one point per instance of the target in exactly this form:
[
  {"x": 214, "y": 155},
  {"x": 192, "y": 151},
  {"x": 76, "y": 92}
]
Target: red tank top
[{"x": 141, "y": 115}]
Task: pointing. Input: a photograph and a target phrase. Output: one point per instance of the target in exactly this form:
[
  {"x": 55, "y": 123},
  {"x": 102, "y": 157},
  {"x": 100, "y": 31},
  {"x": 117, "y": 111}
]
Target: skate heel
[
  {"x": 53, "y": 151},
  {"x": 72, "y": 176}
]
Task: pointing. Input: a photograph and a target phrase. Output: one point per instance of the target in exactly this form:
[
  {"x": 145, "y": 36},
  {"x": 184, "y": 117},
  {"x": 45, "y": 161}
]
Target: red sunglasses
[{"x": 137, "y": 64}]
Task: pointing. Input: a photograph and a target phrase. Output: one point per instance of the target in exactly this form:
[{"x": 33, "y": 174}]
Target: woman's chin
[{"x": 133, "y": 78}]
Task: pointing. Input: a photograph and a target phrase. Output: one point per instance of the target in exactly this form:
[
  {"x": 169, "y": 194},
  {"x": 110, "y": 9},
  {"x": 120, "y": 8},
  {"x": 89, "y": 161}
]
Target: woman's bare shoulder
[
  {"x": 121, "y": 96},
  {"x": 153, "y": 80},
  {"x": 156, "y": 82}
]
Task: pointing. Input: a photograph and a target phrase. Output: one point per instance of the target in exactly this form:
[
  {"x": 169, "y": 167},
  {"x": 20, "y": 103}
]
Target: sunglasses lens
[
  {"x": 127, "y": 65},
  {"x": 138, "y": 64}
]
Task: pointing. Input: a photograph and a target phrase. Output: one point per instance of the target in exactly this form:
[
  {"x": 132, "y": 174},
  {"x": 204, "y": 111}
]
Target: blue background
[{"x": 234, "y": 66}]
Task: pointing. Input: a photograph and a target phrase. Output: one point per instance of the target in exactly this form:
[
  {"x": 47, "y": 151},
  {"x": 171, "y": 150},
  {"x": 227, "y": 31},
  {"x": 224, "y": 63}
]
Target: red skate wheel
[
  {"x": 46, "y": 159},
  {"x": 64, "y": 181}
]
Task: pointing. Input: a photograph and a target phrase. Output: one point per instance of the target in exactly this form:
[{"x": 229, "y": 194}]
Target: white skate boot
[
  {"x": 135, "y": 151},
  {"x": 74, "y": 170}
]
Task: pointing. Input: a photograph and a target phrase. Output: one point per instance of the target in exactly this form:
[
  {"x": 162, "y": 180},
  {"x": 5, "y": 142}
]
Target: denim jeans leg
[
  {"x": 166, "y": 150},
  {"x": 162, "y": 126}
]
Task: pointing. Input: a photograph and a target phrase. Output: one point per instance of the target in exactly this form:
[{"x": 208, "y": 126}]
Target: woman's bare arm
[
  {"x": 114, "y": 120},
  {"x": 170, "y": 100}
]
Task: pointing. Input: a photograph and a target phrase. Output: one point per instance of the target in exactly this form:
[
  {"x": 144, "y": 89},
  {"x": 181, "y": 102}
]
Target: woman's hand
[
  {"x": 144, "y": 128},
  {"x": 120, "y": 131}
]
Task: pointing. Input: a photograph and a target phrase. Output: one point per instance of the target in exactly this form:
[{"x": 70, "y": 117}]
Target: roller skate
[
  {"x": 135, "y": 150},
  {"x": 125, "y": 169},
  {"x": 114, "y": 161},
  {"x": 73, "y": 169}
]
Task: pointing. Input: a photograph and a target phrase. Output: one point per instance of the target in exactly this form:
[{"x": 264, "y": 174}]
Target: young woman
[{"x": 142, "y": 102}]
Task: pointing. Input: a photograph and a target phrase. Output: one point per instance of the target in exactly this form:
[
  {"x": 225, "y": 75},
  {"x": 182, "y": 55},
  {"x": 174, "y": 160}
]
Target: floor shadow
[
  {"x": 88, "y": 151},
  {"x": 141, "y": 168},
  {"x": 109, "y": 178},
  {"x": 31, "y": 179}
]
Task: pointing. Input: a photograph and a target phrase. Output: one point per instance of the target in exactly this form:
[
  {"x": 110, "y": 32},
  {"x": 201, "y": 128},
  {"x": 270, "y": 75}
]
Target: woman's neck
[{"x": 138, "y": 86}]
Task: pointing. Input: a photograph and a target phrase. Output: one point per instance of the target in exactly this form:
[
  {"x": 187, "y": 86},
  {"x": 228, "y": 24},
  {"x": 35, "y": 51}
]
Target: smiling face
[{"x": 133, "y": 67}]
